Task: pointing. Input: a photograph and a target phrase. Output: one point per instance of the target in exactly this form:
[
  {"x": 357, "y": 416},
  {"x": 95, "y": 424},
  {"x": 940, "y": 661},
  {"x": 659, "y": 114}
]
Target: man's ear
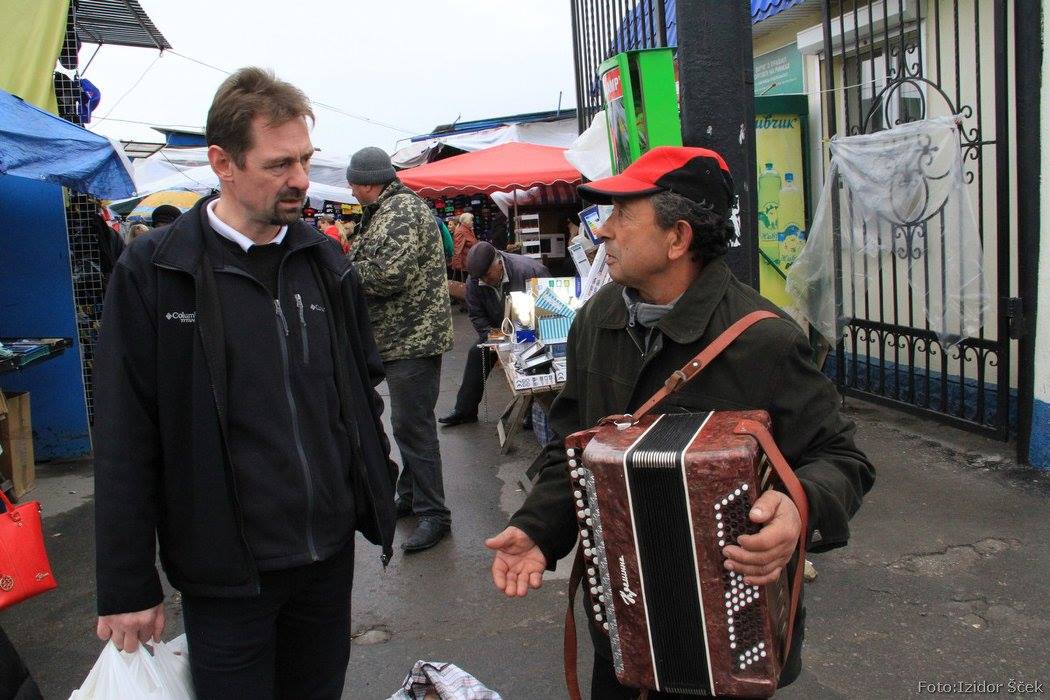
[
  {"x": 221, "y": 162},
  {"x": 680, "y": 237}
]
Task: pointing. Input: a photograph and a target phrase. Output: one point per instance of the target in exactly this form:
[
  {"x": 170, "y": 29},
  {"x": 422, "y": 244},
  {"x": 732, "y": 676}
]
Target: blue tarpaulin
[{"x": 37, "y": 145}]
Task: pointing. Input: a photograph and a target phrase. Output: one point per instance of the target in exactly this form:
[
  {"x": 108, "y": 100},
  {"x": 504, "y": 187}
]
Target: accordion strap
[
  {"x": 572, "y": 680},
  {"x": 798, "y": 496},
  {"x": 693, "y": 367}
]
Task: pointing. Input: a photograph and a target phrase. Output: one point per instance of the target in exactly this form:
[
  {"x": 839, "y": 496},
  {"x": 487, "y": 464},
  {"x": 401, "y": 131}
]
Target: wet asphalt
[{"x": 944, "y": 579}]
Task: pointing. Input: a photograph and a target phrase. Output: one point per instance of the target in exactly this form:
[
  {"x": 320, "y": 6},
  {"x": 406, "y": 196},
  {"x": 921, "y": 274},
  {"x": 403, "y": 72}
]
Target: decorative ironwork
[
  {"x": 603, "y": 28},
  {"x": 895, "y": 62}
]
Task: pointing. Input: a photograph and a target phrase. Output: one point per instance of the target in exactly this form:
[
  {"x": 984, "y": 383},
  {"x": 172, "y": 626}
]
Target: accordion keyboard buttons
[
  {"x": 579, "y": 476},
  {"x": 744, "y": 625}
]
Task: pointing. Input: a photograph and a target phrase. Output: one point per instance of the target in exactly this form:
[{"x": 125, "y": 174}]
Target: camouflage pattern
[{"x": 398, "y": 254}]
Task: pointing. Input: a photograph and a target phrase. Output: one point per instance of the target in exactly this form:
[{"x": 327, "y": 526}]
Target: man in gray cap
[
  {"x": 399, "y": 257},
  {"x": 492, "y": 275}
]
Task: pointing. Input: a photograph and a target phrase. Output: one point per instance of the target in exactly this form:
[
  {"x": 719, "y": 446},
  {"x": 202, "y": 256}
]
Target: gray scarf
[{"x": 643, "y": 313}]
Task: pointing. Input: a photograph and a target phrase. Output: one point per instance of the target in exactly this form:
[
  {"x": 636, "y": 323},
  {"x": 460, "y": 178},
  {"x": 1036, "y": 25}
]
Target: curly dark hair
[{"x": 712, "y": 230}]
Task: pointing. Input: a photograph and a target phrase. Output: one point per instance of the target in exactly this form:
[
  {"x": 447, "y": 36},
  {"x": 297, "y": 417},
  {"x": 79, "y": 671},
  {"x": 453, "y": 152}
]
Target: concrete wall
[{"x": 1039, "y": 451}]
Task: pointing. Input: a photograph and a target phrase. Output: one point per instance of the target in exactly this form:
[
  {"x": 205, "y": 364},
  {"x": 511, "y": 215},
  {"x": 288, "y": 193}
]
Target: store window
[{"x": 867, "y": 71}]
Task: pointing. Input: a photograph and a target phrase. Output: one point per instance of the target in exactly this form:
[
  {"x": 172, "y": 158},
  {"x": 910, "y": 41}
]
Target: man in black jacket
[
  {"x": 672, "y": 295},
  {"x": 237, "y": 420},
  {"x": 493, "y": 275}
]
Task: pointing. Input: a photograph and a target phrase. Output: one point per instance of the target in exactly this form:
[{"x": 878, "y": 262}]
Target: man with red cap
[{"x": 671, "y": 295}]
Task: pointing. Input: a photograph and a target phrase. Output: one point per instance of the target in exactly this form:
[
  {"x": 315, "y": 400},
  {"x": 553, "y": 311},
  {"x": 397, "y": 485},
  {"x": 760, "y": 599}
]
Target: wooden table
[{"x": 510, "y": 420}]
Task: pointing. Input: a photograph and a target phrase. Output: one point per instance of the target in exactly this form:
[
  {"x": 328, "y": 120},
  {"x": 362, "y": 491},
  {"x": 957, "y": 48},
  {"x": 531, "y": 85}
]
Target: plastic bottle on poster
[
  {"x": 791, "y": 213},
  {"x": 769, "y": 185}
]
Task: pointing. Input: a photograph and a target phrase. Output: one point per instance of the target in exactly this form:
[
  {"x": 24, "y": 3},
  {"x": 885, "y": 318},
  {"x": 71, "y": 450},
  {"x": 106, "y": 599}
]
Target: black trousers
[
  {"x": 291, "y": 641},
  {"x": 473, "y": 387}
]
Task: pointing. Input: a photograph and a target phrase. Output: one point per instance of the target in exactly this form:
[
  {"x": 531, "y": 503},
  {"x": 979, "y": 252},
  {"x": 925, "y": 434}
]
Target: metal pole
[
  {"x": 830, "y": 107},
  {"x": 1028, "y": 89},
  {"x": 577, "y": 60},
  {"x": 716, "y": 70},
  {"x": 1002, "y": 207},
  {"x": 661, "y": 22}
]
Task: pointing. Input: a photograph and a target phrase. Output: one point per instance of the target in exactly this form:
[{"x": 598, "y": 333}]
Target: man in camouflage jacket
[{"x": 399, "y": 258}]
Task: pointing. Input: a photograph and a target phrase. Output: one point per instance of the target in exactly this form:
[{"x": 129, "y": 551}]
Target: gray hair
[
  {"x": 467, "y": 219},
  {"x": 712, "y": 230}
]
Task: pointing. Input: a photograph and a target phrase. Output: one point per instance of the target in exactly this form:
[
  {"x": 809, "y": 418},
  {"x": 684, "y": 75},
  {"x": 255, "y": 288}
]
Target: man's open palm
[{"x": 519, "y": 564}]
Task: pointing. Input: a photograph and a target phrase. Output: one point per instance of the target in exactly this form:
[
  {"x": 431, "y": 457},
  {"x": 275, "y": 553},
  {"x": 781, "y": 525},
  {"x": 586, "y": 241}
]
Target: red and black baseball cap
[{"x": 698, "y": 174}]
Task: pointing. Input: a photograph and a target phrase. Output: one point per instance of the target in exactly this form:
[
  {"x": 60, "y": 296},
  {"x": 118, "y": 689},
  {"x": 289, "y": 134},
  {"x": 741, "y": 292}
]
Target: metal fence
[
  {"x": 603, "y": 28},
  {"x": 887, "y": 62},
  {"x": 80, "y": 213}
]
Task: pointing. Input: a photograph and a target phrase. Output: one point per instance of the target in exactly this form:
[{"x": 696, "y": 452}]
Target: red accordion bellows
[{"x": 657, "y": 500}]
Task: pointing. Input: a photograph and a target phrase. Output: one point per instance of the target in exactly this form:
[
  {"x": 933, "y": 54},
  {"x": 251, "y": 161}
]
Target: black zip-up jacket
[{"x": 171, "y": 458}]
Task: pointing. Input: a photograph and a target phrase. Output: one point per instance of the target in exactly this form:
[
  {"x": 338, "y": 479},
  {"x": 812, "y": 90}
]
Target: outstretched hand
[
  {"x": 762, "y": 556},
  {"x": 518, "y": 565}
]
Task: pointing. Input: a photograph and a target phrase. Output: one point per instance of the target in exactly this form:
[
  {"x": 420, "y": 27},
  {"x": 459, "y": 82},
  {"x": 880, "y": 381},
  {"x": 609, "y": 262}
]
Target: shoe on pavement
[
  {"x": 428, "y": 533},
  {"x": 455, "y": 418},
  {"x": 402, "y": 508}
]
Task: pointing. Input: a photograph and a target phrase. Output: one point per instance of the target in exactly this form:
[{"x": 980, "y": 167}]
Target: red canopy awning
[{"x": 509, "y": 166}]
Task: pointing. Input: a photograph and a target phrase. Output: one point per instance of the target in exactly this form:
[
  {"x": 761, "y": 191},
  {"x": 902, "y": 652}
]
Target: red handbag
[{"x": 24, "y": 569}]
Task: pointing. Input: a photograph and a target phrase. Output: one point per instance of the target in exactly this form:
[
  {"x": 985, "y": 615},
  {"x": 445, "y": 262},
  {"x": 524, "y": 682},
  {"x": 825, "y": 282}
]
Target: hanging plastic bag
[
  {"x": 896, "y": 203},
  {"x": 438, "y": 680},
  {"x": 162, "y": 675}
]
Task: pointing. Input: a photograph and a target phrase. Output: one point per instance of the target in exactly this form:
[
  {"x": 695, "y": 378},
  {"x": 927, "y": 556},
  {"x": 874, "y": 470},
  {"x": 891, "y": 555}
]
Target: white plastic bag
[
  {"x": 162, "y": 675},
  {"x": 896, "y": 203},
  {"x": 442, "y": 680}
]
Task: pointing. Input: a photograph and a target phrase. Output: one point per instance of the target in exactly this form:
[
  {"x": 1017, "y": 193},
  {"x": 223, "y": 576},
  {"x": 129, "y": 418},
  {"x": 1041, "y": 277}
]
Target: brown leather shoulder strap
[
  {"x": 572, "y": 680},
  {"x": 694, "y": 366}
]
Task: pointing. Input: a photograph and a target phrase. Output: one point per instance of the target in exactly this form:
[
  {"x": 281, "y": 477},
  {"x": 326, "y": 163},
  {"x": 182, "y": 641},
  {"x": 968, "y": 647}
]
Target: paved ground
[{"x": 944, "y": 581}]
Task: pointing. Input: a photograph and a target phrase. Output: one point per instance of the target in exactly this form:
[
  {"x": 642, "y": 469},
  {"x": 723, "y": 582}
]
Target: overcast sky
[{"x": 409, "y": 64}]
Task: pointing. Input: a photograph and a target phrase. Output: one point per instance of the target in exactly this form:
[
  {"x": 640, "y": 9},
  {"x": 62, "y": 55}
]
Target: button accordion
[{"x": 657, "y": 498}]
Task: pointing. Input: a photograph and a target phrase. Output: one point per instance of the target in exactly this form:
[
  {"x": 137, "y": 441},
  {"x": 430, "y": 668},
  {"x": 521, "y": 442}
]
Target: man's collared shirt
[
  {"x": 232, "y": 234},
  {"x": 503, "y": 283}
]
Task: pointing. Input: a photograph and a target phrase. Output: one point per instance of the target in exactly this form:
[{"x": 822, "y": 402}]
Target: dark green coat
[{"x": 768, "y": 367}]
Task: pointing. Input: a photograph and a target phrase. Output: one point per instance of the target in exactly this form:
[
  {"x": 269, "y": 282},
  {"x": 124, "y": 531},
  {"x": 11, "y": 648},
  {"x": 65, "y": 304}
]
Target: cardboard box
[{"x": 16, "y": 436}]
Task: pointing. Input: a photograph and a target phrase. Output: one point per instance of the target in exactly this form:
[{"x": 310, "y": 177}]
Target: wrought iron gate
[
  {"x": 887, "y": 62},
  {"x": 603, "y": 28}
]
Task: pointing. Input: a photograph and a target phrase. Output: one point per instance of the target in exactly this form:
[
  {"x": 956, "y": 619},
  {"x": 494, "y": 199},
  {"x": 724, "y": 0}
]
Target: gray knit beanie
[{"x": 370, "y": 166}]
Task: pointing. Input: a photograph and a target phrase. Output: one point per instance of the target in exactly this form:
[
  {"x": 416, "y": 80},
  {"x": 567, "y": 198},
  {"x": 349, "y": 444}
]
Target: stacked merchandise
[
  {"x": 553, "y": 318},
  {"x": 541, "y": 318},
  {"x": 479, "y": 205}
]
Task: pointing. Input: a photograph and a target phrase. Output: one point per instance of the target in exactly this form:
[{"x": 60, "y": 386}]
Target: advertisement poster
[
  {"x": 781, "y": 200},
  {"x": 779, "y": 72},
  {"x": 616, "y": 118}
]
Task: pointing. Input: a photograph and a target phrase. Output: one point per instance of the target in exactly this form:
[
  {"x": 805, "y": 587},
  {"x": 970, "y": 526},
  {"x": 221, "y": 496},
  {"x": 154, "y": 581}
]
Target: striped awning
[{"x": 117, "y": 22}]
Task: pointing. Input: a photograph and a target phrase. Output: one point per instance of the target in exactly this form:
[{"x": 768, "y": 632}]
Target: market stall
[
  {"x": 493, "y": 180},
  {"x": 39, "y": 154}
]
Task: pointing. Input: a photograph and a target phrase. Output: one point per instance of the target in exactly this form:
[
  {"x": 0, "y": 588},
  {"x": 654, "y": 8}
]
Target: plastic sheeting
[
  {"x": 31, "y": 37},
  {"x": 203, "y": 180},
  {"x": 40, "y": 146},
  {"x": 559, "y": 132},
  {"x": 589, "y": 153},
  {"x": 895, "y": 203},
  {"x": 326, "y": 169}
]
